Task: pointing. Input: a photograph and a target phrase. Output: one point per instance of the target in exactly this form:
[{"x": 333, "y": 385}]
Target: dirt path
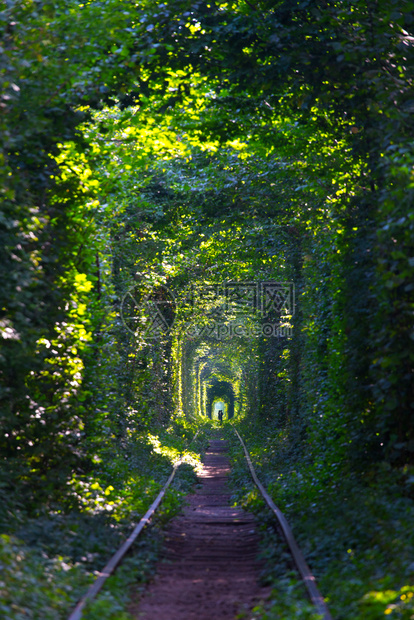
[{"x": 209, "y": 568}]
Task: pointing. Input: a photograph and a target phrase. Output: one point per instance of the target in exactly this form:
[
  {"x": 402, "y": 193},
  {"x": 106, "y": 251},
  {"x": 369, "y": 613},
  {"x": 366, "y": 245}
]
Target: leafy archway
[{"x": 222, "y": 390}]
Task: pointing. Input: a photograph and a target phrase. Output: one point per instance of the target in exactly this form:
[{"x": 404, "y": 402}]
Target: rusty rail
[
  {"x": 304, "y": 570},
  {"x": 106, "y": 572}
]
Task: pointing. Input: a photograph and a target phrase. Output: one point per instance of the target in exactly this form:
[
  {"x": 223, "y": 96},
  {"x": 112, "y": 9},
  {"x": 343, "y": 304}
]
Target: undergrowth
[
  {"x": 354, "y": 527},
  {"x": 50, "y": 556}
]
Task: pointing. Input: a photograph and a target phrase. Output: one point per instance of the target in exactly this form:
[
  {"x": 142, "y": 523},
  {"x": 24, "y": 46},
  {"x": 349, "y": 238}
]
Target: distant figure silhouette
[{"x": 220, "y": 416}]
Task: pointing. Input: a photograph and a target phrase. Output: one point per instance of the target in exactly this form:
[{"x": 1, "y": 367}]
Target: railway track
[{"x": 208, "y": 567}]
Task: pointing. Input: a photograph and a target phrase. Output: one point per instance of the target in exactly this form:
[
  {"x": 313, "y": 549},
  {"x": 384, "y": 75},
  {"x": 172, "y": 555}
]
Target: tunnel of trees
[
  {"x": 200, "y": 201},
  {"x": 221, "y": 390}
]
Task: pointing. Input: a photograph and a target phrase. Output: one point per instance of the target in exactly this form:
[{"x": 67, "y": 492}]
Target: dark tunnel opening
[{"x": 223, "y": 390}]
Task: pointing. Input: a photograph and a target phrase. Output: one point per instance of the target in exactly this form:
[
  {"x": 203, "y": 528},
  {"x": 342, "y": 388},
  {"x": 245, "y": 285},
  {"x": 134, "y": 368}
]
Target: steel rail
[
  {"x": 107, "y": 571},
  {"x": 304, "y": 570}
]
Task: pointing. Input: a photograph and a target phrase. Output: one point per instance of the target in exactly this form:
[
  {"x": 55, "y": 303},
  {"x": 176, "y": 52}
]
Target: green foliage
[
  {"x": 355, "y": 531},
  {"x": 187, "y": 143},
  {"x": 287, "y": 602},
  {"x": 36, "y": 585},
  {"x": 51, "y": 559}
]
